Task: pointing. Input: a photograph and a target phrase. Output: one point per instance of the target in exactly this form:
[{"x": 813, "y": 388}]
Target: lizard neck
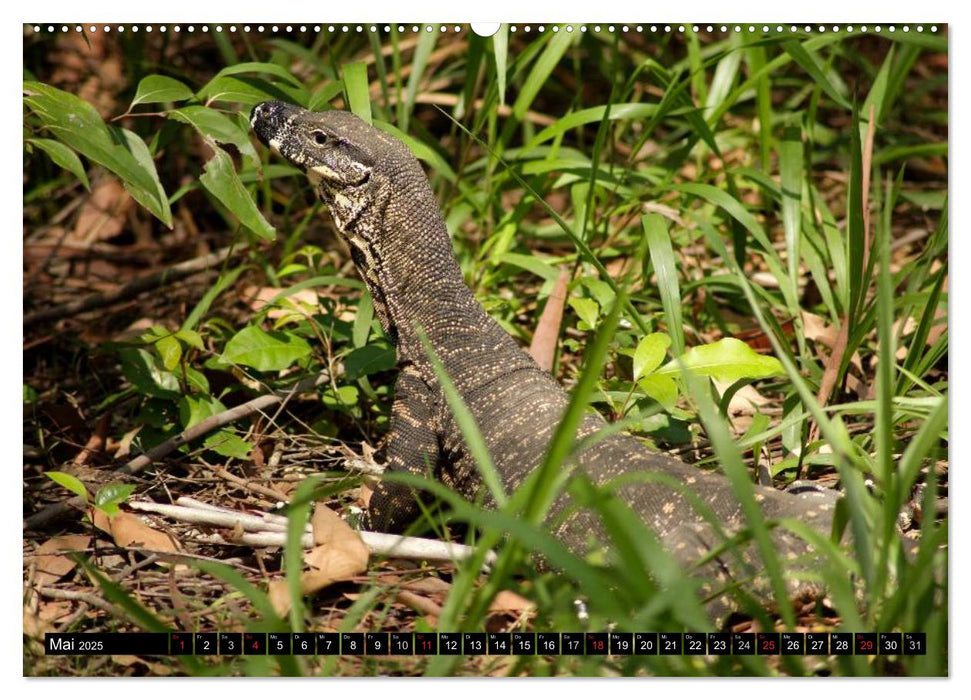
[{"x": 416, "y": 283}]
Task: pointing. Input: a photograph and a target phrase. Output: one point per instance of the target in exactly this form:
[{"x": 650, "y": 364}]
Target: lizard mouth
[{"x": 272, "y": 122}]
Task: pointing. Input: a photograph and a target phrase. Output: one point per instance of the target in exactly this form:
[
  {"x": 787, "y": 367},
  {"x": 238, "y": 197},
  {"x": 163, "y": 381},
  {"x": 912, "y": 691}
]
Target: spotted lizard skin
[{"x": 384, "y": 208}]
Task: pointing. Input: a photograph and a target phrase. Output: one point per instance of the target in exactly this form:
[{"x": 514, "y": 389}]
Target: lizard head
[{"x": 346, "y": 160}]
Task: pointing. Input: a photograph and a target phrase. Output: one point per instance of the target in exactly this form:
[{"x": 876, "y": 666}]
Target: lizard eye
[{"x": 320, "y": 138}]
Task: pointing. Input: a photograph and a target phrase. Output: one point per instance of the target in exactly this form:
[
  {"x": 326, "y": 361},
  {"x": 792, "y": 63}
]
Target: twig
[
  {"x": 148, "y": 282},
  {"x": 90, "y": 599},
  {"x": 249, "y": 485}
]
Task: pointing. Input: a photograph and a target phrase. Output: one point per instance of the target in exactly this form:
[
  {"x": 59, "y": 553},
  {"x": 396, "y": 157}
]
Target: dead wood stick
[
  {"x": 153, "y": 280},
  {"x": 269, "y": 530}
]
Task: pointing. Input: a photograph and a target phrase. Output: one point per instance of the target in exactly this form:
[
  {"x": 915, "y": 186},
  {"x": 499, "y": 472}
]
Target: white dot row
[{"x": 345, "y": 28}]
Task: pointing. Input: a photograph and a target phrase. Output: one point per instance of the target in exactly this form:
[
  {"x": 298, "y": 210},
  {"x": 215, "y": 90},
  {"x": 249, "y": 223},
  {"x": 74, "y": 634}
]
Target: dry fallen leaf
[
  {"x": 815, "y": 328},
  {"x": 543, "y": 346},
  {"x": 339, "y": 555},
  {"x": 102, "y": 216},
  {"x": 509, "y": 602},
  {"x": 132, "y": 533},
  {"x": 51, "y": 566}
]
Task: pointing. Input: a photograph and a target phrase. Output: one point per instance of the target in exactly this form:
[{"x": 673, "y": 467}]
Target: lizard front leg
[{"x": 412, "y": 446}]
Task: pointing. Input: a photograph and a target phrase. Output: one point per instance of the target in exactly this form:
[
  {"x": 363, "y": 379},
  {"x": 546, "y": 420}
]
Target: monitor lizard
[{"x": 384, "y": 208}]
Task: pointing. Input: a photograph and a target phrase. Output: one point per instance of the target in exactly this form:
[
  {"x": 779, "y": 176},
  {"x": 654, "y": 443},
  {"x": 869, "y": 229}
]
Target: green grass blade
[{"x": 665, "y": 267}]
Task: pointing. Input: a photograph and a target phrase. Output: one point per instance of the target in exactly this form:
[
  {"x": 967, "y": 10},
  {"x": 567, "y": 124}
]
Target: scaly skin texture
[{"x": 385, "y": 209}]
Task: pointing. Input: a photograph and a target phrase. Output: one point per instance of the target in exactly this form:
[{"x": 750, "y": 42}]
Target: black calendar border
[{"x": 401, "y": 644}]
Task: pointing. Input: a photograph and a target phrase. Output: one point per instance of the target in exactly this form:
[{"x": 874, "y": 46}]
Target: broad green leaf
[
  {"x": 221, "y": 180},
  {"x": 195, "y": 379},
  {"x": 587, "y": 309},
  {"x": 345, "y": 396},
  {"x": 110, "y": 495},
  {"x": 726, "y": 361},
  {"x": 140, "y": 367},
  {"x": 376, "y": 357},
  {"x": 170, "y": 350},
  {"x": 362, "y": 321},
  {"x": 77, "y": 124},
  {"x": 228, "y": 444},
  {"x": 662, "y": 389},
  {"x": 217, "y": 126},
  {"x": 191, "y": 338},
  {"x": 538, "y": 266},
  {"x": 160, "y": 88},
  {"x": 250, "y": 90},
  {"x": 193, "y": 409},
  {"x": 257, "y": 67},
  {"x": 151, "y": 197},
  {"x": 265, "y": 352},
  {"x": 64, "y": 157},
  {"x": 650, "y": 353},
  {"x": 71, "y": 483}
]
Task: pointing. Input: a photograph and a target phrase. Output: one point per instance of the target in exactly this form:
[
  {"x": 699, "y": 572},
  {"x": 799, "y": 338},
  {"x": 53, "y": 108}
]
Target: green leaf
[
  {"x": 791, "y": 173},
  {"x": 500, "y": 52},
  {"x": 71, "y": 483},
  {"x": 376, "y": 357},
  {"x": 160, "y": 88},
  {"x": 356, "y": 87},
  {"x": 807, "y": 59},
  {"x": 323, "y": 95},
  {"x": 193, "y": 410},
  {"x": 362, "y": 321},
  {"x": 345, "y": 396},
  {"x": 150, "y": 197},
  {"x": 77, "y": 124},
  {"x": 662, "y": 389},
  {"x": 257, "y": 67},
  {"x": 265, "y": 352},
  {"x": 249, "y": 91},
  {"x": 221, "y": 180},
  {"x": 191, "y": 338},
  {"x": 170, "y": 350},
  {"x": 726, "y": 361},
  {"x": 650, "y": 353},
  {"x": 141, "y": 369},
  {"x": 665, "y": 267},
  {"x": 217, "y": 126},
  {"x": 109, "y": 496},
  {"x": 538, "y": 266},
  {"x": 587, "y": 309},
  {"x": 228, "y": 444},
  {"x": 540, "y": 73},
  {"x": 64, "y": 157}
]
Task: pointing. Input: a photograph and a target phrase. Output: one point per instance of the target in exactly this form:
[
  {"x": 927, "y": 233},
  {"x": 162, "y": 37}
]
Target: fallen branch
[{"x": 269, "y": 530}]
